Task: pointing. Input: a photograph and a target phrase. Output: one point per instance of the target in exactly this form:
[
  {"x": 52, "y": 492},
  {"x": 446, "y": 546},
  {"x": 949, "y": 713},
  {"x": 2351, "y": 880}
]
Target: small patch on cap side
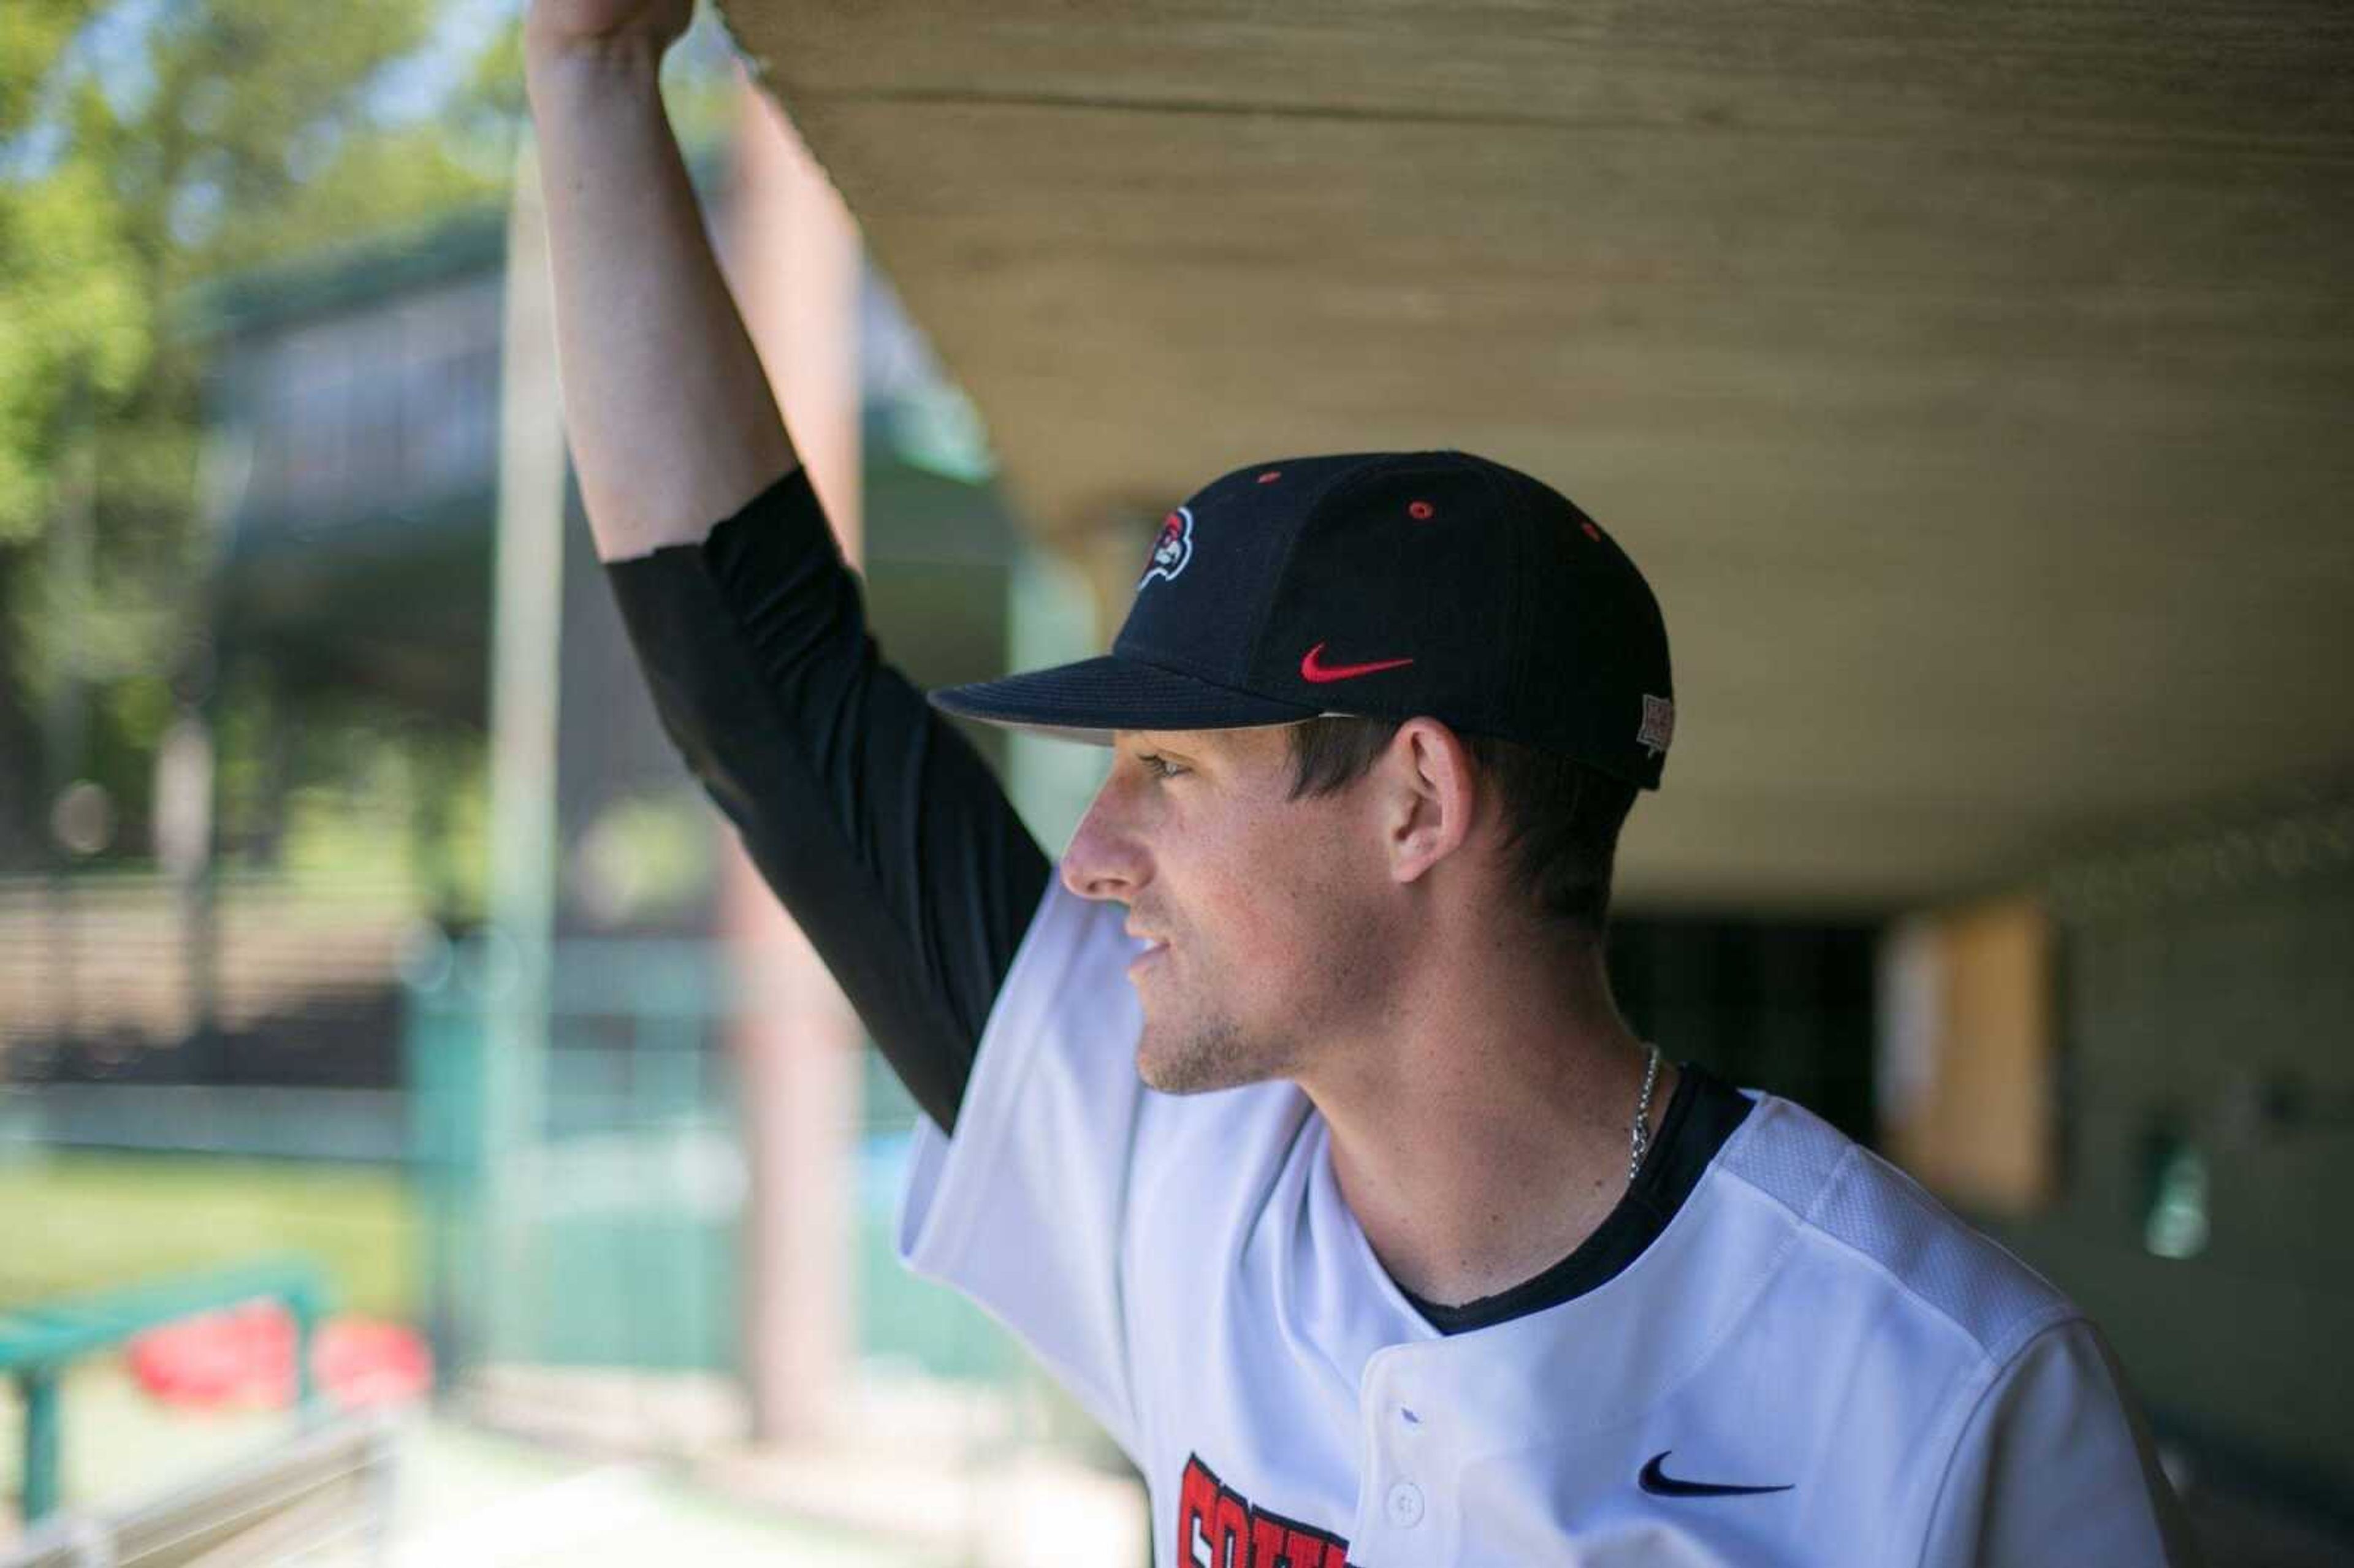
[
  {"x": 1419, "y": 511},
  {"x": 1659, "y": 725},
  {"x": 1270, "y": 476}
]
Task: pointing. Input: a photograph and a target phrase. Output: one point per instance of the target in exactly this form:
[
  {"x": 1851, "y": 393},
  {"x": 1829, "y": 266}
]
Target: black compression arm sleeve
[{"x": 876, "y": 823}]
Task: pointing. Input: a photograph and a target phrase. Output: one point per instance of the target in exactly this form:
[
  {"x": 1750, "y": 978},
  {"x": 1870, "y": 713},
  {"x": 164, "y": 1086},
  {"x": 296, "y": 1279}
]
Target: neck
[{"x": 1480, "y": 1131}]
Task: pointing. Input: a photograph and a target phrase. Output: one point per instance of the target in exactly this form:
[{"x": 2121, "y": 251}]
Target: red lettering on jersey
[
  {"x": 1230, "y": 1534},
  {"x": 1197, "y": 1509},
  {"x": 1218, "y": 1528}
]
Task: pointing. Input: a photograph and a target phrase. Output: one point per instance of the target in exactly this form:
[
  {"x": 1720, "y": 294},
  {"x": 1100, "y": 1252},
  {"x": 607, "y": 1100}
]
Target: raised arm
[
  {"x": 875, "y": 823},
  {"x": 671, "y": 421}
]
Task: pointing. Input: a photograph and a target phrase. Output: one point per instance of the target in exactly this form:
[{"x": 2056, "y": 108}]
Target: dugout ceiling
[{"x": 1973, "y": 381}]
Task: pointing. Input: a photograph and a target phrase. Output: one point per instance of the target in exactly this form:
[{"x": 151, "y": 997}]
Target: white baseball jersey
[{"x": 1813, "y": 1362}]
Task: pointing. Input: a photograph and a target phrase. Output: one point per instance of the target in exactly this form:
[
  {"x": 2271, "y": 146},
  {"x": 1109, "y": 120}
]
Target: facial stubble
[{"x": 1192, "y": 1044}]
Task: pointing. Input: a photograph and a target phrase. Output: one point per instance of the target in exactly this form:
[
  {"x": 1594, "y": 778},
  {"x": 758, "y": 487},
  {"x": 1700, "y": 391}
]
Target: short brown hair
[{"x": 1562, "y": 816}]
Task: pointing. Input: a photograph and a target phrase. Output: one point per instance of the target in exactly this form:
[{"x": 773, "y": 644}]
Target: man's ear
[{"x": 1429, "y": 787}]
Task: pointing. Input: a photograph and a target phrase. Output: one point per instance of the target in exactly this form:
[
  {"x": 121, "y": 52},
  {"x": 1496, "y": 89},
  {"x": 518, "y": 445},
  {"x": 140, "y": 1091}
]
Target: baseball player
[{"x": 1289, "y": 1119}]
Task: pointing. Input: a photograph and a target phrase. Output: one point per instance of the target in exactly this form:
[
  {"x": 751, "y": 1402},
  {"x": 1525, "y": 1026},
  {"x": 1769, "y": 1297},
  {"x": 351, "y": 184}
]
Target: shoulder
[{"x": 1875, "y": 1230}]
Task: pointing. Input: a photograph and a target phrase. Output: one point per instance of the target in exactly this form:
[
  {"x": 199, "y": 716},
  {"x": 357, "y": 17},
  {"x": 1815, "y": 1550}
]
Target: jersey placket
[{"x": 1405, "y": 1492}]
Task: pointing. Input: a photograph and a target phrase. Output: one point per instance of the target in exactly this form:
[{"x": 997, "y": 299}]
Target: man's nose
[{"x": 1104, "y": 860}]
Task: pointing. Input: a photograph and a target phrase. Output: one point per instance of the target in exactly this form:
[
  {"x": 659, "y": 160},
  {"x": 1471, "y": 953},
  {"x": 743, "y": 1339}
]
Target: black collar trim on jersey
[{"x": 1701, "y": 1115}]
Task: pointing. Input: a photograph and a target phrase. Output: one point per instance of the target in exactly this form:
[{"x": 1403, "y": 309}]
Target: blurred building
[
  {"x": 358, "y": 409},
  {"x": 352, "y": 476}
]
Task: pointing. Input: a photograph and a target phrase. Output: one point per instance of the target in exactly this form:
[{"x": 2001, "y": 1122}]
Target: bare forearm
[{"x": 671, "y": 421}]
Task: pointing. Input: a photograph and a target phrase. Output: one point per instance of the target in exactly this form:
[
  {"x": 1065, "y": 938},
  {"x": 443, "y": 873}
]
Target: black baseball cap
[{"x": 1389, "y": 585}]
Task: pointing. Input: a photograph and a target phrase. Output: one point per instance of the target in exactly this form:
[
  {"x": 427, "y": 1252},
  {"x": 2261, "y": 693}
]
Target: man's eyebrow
[{"x": 1167, "y": 742}]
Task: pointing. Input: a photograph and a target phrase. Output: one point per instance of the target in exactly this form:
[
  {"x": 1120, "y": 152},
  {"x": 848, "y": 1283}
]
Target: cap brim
[{"x": 1090, "y": 699}]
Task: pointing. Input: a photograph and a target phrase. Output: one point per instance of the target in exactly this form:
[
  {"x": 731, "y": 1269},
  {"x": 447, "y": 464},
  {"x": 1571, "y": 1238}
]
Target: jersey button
[{"x": 1406, "y": 1505}]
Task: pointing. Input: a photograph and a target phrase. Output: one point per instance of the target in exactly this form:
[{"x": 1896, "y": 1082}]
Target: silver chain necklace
[{"x": 1639, "y": 1142}]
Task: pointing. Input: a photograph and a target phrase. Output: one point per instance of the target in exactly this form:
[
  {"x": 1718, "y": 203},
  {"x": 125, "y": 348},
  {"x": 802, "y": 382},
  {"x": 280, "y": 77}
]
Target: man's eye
[{"x": 1159, "y": 766}]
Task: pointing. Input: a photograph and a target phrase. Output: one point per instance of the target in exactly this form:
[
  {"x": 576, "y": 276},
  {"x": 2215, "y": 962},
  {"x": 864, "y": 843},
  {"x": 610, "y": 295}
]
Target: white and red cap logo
[{"x": 1172, "y": 549}]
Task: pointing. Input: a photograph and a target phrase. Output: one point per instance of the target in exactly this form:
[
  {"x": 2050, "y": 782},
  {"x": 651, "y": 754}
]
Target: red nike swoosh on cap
[{"x": 1313, "y": 668}]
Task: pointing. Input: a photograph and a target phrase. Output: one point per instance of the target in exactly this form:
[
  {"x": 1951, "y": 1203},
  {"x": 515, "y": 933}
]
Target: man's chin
[
  {"x": 1155, "y": 1069},
  {"x": 1157, "y": 1082},
  {"x": 1204, "y": 1061},
  {"x": 1180, "y": 1081}
]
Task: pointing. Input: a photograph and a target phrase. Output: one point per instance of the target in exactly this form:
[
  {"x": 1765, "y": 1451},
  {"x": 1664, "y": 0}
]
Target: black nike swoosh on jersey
[{"x": 1661, "y": 1484}]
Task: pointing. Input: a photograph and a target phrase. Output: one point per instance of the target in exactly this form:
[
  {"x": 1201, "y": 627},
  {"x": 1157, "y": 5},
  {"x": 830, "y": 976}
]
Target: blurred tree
[{"x": 146, "y": 145}]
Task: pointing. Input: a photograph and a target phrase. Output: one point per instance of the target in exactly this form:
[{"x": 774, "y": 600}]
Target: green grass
[{"x": 73, "y": 1222}]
